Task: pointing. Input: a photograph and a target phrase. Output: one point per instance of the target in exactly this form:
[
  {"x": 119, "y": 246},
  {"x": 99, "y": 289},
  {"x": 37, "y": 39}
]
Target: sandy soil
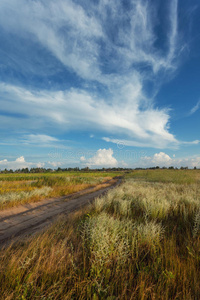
[{"x": 30, "y": 218}]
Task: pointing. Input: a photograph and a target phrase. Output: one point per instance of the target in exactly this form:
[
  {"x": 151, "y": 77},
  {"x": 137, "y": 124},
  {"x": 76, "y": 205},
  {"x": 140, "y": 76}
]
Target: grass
[
  {"x": 166, "y": 176},
  {"x": 140, "y": 241},
  {"x": 18, "y": 189}
]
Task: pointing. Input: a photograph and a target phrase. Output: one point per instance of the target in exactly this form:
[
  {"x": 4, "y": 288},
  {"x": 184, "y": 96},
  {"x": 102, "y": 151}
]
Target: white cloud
[
  {"x": 102, "y": 158},
  {"x": 158, "y": 159},
  {"x": 55, "y": 163},
  {"x": 40, "y": 165},
  {"x": 3, "y": 161},
  {"x": 42, "y": 140},
  {"x": 19, "y": 163},
  {"x": 162, "y": 159},
  {"x": 20, "y": 159},
  {"x": 77, "y": 109},
  {"x": 39, "y": 138}
]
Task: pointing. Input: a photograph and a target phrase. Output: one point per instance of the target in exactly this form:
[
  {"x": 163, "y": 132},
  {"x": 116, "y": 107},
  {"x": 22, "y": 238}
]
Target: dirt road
[{"x": 32, "y": 217}]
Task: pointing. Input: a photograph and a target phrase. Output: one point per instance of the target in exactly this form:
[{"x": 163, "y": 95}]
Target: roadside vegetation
[
  {"x": 139, "y": 241},
  {"x": 18, "y": 189}
]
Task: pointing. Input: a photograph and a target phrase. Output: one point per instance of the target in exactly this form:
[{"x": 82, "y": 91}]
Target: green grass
[
  {"x": 165, "y": 175},
  {"x": 140, "y": 241},
  {"x": 71, "y": 174}
]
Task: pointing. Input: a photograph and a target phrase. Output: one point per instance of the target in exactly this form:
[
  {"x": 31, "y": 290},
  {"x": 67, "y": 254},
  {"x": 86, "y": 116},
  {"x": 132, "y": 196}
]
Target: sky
[{"x": 99, "y": 83}]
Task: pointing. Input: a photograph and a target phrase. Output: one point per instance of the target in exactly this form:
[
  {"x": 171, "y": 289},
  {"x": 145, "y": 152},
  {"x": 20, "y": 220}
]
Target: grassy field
[
  {"x": 140, "y": 241},
  {"x": 18, "y": 189},
  {"x": 166, "y": 176}
]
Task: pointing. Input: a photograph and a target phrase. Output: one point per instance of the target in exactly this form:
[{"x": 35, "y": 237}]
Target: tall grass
[
  {"x": 140, "y": 241},
  {"x": 17, "y": 189},
  {"x": 13, "y": 198},
  {"x": 166, "y": 175}
]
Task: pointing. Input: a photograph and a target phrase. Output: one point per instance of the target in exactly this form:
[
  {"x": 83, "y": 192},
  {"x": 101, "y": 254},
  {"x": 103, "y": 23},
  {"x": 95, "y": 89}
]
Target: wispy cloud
[
  {"x": 173, "y": 34},
  {"x": 160, "y": 144},
  {"x": 113, "y": 54},
  {"x": 84, "y": 38},
  {"x": 195, "y": 108},
  {"x": 75, "y": 109},
  {"x": 43, "y": 140}
]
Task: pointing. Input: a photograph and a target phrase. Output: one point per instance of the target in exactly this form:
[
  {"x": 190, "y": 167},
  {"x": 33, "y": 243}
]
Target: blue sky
[{"x": 99, "y": 83}]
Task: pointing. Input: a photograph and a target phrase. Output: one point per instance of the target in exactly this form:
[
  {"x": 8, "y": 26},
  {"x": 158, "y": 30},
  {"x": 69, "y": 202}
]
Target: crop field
[
  {"x": 139, "y": 241},
  {"x": 18, "y": 189}
]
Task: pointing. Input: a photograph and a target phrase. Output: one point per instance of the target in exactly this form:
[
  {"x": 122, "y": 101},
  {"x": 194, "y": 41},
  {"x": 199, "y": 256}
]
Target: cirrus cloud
[{"x": 105, "y": 54}]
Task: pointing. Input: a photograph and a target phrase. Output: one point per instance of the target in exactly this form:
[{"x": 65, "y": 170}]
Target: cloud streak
[{"x": 195, "y": 108}]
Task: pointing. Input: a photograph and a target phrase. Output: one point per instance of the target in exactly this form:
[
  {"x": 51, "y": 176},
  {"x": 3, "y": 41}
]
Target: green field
[{"x": 140, "y": 241}]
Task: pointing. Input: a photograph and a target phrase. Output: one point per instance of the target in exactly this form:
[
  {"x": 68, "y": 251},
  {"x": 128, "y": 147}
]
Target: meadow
[
  {"x": 18, "y": 189},
  {"x": 139, "y": 241}
]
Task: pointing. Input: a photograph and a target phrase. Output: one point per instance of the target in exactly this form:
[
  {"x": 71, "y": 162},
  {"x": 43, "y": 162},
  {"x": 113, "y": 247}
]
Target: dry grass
[
  {"x": 140, "y": 241},
  {"x": 18, "y": 189}
]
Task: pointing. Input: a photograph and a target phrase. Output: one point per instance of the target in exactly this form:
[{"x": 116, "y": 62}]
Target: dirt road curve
[{"x": 30, "y": 218}]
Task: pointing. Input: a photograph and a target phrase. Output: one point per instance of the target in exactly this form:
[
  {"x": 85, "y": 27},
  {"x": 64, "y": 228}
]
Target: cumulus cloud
[
  {"x": 162, "y": 159},
  {"x": 54, "y": 164},
  {"x": 102, "y": 158},
  {"x": 158, "y": 159},
  {"x": 20, "y": 160},
  {"x": 19, "y": 163}
]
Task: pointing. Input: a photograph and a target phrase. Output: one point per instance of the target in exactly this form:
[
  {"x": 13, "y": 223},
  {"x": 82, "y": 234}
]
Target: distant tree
[
  {"x": 25, "y": 170},
  {"x": 76, "y": 169}
]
